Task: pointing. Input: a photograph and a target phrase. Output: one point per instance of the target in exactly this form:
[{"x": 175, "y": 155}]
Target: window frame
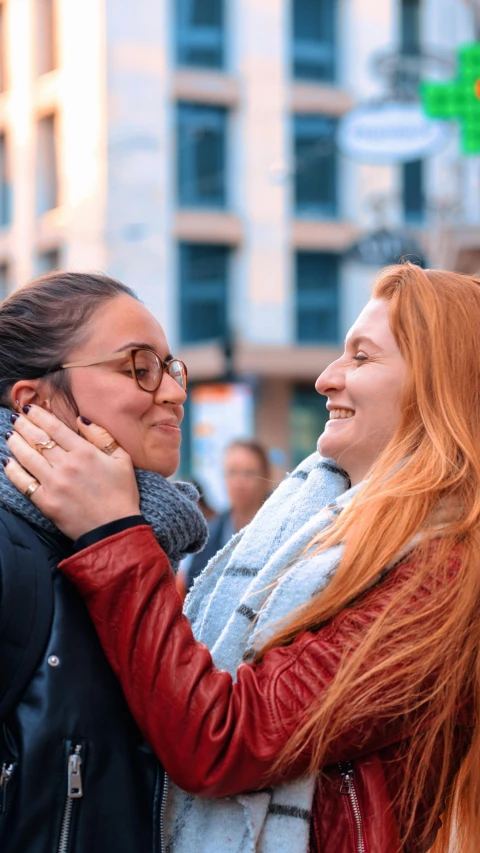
[
  {"x": 309, "y": 126},
  {"x": 313, "y": 51},
  {"x": 215, "y": 293},
  {"x": 310, "y": 301},
  {"x": 192, "y": 117},
  {"x": 189, "y": 37}
]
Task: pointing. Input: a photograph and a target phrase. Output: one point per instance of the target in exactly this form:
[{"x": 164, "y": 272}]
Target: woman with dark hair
[
  {"x": 338, "y": 708},
  {"x": 75, "y": 772}
]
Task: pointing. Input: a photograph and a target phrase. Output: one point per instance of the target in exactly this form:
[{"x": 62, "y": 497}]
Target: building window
[
  {"x": 317, "y": 292},
  {"x": 413, "y": 191},
  {"x": 200, "y": 33},
  {"x": 308, "y": 417},
  {"x": 46, "y": 174},
  {"x": 410, "y": 26},
  {"x": 204, "y": 273},
  {"x": 45, "y": 43},
  {"x": 47, "y": 261},
  {"x": 313, "y": 28},
  {"x": 5, "y": 189},
  {"x": 202, "y": 156},
  {"x": 315, "y": 166},
  {"x": 4, "y": 280}
]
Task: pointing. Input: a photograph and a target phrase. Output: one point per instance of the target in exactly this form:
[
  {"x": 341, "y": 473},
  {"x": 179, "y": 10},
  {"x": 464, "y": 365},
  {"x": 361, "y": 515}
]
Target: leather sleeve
[{"x": 214, "y": 736}]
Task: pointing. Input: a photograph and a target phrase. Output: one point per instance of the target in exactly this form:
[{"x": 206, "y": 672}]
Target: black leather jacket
[{"x": 82, "y": 779}]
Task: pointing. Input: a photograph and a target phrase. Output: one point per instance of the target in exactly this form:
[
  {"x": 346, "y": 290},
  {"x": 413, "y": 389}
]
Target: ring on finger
[
  {"x": 111, "y": 448},
  {"x": 45, "y": 445},
  {"x": 31, "y": 489}
]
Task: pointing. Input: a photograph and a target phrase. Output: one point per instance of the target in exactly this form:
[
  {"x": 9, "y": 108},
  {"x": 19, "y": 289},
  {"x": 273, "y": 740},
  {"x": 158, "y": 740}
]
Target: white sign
[
  {"x": 390, "y": 133},
  {"x": 220, "y": 413}
]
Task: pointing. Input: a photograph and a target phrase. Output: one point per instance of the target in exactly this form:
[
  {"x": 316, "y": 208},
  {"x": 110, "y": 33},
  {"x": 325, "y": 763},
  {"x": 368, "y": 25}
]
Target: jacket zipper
[
  {"x": 6, "y": 774},
  {"x": 348, "y": 787},
  {"x": 74, "y": 792},
  {"x": 163, "y": 805}
]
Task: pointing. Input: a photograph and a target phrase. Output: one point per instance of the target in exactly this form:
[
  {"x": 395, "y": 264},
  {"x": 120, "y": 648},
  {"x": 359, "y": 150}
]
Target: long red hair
[{"x": 432, "y": 461}]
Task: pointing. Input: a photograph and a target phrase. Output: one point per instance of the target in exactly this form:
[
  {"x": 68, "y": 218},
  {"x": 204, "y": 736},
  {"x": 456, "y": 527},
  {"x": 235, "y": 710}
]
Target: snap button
[{"x": 53, "y": 660}]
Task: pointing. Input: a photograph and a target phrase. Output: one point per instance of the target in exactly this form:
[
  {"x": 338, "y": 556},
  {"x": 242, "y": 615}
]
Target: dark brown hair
[
  {"x": 42, "y": 322},
  {"x": 254, "y": 447}
]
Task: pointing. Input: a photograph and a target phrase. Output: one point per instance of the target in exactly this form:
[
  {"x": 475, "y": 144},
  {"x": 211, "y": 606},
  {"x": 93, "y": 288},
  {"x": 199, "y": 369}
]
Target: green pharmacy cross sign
[{"x": 459, "y": 99}]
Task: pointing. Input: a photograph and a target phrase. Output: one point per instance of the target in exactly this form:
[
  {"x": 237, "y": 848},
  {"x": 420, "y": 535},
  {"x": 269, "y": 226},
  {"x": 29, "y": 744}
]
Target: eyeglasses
[{"x": 146, "y": 365}]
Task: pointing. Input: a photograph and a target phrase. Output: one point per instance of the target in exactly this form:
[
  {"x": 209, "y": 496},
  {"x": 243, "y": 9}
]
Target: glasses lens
[
  {"x": 148, "y": 369},
  {"x": 177, "y": 370}
]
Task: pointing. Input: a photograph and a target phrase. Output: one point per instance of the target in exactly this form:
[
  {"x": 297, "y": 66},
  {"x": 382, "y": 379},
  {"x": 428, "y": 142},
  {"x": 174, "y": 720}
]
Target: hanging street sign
[
  {"x": 390, "y": 132},
  {"x": 382, "y": 248},
  {"x": 459, "y": 100}
]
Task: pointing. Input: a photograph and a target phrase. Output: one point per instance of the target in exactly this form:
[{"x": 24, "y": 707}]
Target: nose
[
  {"x": 169, "y": 391},
  {"x": 332, "y": 378}
]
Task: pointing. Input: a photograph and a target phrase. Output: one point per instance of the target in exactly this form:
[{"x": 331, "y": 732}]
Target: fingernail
[
  {"x": 14, "y": 418},
  {"x": 85, "y": 421},
  {"x": 8, "y": 434},
  {"x": 5, "y": 461},
  {"x": 26, "y": 410}
]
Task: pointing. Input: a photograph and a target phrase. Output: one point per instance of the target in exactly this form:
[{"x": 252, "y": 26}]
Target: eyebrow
[
  {"x": 355, "y": 341},
  {"x": 141, "y": 345}
]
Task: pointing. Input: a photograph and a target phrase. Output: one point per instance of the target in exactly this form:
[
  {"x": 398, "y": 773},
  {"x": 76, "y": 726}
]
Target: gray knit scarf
[
  {"x": 170, "y": 508},
  {"x": 255, "y": 582}
]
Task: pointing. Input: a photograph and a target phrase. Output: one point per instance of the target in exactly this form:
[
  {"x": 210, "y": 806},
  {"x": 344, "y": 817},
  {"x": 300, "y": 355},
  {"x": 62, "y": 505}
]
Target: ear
[{"x": 27, "y": 391}]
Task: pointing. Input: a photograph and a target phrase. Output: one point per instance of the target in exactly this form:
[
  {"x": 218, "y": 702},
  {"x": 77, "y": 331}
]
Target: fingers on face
[
  {"x": 37, "y": 438},
  {"x": 99, "y": 437},
  {"x": 21, "y": 479},
  {"x": 50, "y": 427}
]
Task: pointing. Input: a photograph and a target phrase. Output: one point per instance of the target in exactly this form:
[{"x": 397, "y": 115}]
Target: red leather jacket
[{"x": 187, "y": 708}]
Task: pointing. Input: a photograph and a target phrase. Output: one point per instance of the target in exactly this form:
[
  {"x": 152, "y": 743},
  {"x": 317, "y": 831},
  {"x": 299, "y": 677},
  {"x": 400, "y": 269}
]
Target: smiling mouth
[{"x": 341, "y": 414}]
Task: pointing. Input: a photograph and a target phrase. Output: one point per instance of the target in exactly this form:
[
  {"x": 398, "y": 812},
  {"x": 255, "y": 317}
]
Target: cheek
[{"x": 110, "y": 402}]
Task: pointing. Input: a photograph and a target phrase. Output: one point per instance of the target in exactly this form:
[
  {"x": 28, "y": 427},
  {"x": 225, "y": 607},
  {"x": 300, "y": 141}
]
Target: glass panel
[
  {"x": 317, "y": 298},
  {"x": 314, "y": 39},
  {"x": 203, "y": 292},
  {"x": 200, "y": 33},
  {"x": 410, "y": 26},
  {"x": 413, "y": 195},
  {"x": 315, "y": 166},
  {"x": 307, "y": 421},
  {"x": 47, "y": 261},
  {"x": 46, "y": 171},
  {"x": 201, "y": 156},
  {"x": 4, "y": 280},
  {"x": 5, "y": 189}
]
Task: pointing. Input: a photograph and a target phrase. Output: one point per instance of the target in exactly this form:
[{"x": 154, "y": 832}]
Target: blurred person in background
[{"x": 247, "y": 479}]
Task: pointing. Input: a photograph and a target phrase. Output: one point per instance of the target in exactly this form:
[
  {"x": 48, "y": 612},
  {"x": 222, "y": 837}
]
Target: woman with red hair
[{"x": 355, "y": 713}]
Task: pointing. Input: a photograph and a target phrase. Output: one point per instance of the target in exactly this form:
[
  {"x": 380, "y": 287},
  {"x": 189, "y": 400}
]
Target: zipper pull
[
  {"x": 346, "y": 772},
  {"x": 5, "y": 776},
  {"x": 75, "y": 789}
]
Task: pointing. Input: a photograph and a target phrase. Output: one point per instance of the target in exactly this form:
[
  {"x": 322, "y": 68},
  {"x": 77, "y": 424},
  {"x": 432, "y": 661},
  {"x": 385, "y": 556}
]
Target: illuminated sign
[{"x": 459, "y": 99}]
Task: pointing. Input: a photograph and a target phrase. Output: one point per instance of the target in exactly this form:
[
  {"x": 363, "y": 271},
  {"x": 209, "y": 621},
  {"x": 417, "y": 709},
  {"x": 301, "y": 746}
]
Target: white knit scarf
[{"x": 246, "y": 590}]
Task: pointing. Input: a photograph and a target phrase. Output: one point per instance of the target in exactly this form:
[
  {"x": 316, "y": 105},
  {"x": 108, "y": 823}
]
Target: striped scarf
[{"x": 260, "y": 577}]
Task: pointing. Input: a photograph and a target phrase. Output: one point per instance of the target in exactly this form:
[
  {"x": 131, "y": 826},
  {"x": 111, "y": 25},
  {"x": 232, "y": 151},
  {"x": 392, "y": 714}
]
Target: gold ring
[
  {"x": 31, "y": 489},
  {"x": 111, "y": 448},
  {"x": 45, "y": 445}
]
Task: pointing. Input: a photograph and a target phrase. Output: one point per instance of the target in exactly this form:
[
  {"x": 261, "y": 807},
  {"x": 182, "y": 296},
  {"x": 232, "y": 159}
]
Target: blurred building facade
[{"x": 188, "y": 148}]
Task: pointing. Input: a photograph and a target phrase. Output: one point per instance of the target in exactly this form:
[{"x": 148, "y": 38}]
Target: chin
[{"x": 165, "y": 467}]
